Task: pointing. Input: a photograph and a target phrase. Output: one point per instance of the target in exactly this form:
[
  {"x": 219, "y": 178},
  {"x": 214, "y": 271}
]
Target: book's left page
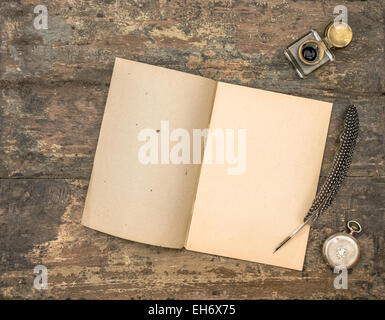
[{"x": 136, "y": 191}]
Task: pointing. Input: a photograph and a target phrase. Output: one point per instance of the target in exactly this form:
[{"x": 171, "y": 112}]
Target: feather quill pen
[{"x": 337, "y": 173}]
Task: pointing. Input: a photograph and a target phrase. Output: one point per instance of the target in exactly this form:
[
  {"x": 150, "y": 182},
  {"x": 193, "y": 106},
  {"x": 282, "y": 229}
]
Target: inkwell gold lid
[{"x": 338, "y": 35}]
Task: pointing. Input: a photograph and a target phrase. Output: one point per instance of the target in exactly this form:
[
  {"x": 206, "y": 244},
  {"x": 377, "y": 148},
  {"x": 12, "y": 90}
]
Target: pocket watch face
[{"x": 341, "y": 249}]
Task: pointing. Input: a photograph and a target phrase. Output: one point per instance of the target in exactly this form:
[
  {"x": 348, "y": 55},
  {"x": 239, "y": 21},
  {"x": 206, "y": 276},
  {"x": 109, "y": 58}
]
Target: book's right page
[{"x": 245, "y": 216}]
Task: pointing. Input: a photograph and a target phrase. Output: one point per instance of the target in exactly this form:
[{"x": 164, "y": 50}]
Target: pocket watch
[{"x": 342, "y": 249}]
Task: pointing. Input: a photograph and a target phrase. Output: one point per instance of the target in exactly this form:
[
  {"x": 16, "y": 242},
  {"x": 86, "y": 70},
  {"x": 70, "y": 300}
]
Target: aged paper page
[
  {"x": 246, "y": 216},
  {"x": 148, "y": 203}
]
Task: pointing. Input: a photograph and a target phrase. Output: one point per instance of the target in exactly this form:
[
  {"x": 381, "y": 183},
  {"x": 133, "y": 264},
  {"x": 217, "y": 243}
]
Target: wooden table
[{"x": 54, "y": 85}]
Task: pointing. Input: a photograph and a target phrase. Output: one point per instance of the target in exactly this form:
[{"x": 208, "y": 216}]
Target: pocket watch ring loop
[{"x": 354, "y": 226}]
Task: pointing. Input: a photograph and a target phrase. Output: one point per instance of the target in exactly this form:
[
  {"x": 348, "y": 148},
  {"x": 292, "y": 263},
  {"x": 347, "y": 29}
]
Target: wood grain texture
[{"x": 53, "y": 88}]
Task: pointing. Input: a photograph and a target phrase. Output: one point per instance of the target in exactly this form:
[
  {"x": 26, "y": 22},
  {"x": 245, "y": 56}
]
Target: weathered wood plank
[
  {"x": 40, "y": 224},
  {"x": 49, "y": 131},
  {"x": 234, "y": 41},
  {"x": 52, "y": 132},
  {"x": 230, "y": 41}
]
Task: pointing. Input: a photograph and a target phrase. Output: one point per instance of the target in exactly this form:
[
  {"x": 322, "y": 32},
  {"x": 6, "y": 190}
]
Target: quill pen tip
[{"x": 282, "y": 243}]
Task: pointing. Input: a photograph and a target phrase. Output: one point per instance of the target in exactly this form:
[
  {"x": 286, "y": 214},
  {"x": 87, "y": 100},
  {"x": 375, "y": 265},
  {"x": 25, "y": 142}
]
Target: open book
[{"x": 149, "y": 182}]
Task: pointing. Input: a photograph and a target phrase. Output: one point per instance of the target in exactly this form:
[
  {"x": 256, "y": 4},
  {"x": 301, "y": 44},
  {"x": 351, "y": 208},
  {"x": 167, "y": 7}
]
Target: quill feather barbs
[
  {"x": 340, "y": 166},
  {"x": 337, "y": 173}
]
